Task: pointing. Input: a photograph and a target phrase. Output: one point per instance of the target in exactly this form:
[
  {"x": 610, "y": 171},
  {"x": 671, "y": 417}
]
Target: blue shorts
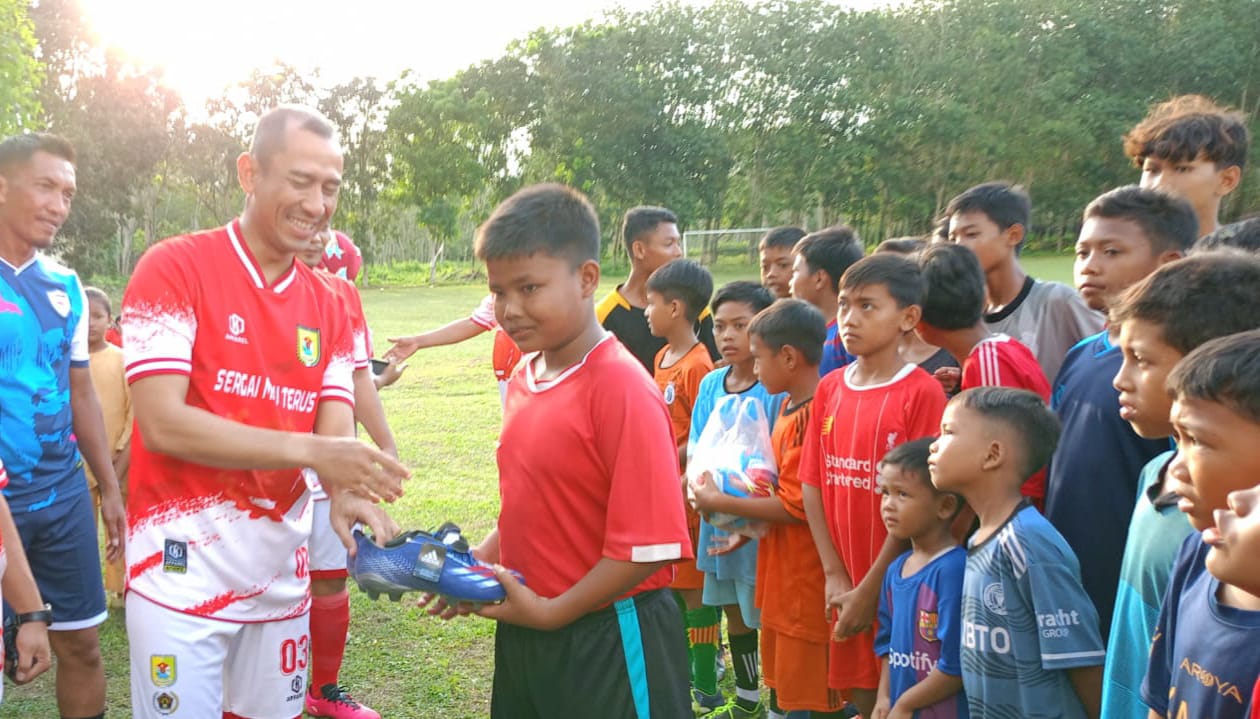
[
  {"x": 61, "y": 546},
  {"x": 725, "y": 592}
]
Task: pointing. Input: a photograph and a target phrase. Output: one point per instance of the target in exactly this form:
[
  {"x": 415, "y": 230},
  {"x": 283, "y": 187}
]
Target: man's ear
[
  {"x": 246, "y": 172},
  {"x": 911, "y": 316}
]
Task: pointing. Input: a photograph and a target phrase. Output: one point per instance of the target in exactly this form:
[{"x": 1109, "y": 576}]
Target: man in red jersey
[{"x": 240, "y": 363}]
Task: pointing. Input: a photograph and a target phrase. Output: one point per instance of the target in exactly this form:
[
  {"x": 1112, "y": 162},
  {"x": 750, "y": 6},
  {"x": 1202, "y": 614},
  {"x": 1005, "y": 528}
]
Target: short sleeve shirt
[
  {"x": 920, "y": 625},
  {"x": 588, "y": 470},
  {"x": 43, "y": 334},
  {"x": 1049, "y": 318},
  {"x": 789, "y": 574},
  {"x": 834, "y": 355},
  {"x": 680, "y": 384},
  {"x": 1026, "y": 621},
  {"x": 265, "y": 355},
  {"x": 483, "y": 316},
  {"x": 1205, "y": 656}
]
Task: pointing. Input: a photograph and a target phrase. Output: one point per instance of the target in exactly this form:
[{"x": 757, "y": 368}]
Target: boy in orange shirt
[
  {"x": 787, "y": 340},
  {"x": 677, "y": 292}
]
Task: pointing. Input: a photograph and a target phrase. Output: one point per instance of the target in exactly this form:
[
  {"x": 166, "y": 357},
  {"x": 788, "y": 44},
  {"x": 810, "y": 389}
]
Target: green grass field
[{"x": 445, "y": 415}]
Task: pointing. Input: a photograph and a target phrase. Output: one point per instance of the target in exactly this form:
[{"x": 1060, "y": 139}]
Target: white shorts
[
  {"x": 328, "y": 554},
  {"x": 186, "y": 666}
]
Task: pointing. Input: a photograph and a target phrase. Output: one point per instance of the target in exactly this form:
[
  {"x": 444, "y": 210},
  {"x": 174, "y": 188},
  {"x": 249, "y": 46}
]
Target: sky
[{"x": 205, "y": 46}]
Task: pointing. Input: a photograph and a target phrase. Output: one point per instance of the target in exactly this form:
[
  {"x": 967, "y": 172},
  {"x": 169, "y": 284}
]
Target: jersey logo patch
[
  {"x": 175, "y": 557},
  {"x": 826, "y": 424},
  {"x": 165, "y": 702},
  {"x": 994, "y": 597},
  {"x": 927, "y": 625},
  {"x": 60, "y": 302},
  {"x": 670, "y": 393},
  {"x": 162, "y": 669},
  {"x": 308, "y": 346}
]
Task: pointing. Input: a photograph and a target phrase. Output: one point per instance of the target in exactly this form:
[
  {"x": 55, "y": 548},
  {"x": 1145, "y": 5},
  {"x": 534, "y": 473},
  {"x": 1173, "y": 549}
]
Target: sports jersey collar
[
  {"x": 901, "y": 374},
  {"x": 535, "y": 386},
  {"x": 251, "y": 265},
  {"x": 18, "y": 270}
]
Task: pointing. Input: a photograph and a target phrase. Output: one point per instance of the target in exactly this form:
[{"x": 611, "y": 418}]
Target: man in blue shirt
[{"x": 49, "y": 413}]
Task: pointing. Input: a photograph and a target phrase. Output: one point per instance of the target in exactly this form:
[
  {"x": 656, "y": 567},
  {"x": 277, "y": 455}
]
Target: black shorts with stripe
[{"x": 626, "y": 661}]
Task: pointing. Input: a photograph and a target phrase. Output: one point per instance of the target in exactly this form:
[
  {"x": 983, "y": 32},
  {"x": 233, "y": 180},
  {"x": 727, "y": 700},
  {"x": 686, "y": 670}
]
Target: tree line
[{"x": 733, "y": 114}]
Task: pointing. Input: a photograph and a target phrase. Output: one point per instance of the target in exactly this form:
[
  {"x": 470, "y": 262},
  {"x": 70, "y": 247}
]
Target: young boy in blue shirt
[
  {"x": 920, "y": 621},
  {"x": 1205, "y": 654},
  {"x": 1159, "y": 321},
  {"x": 730, "y": 579},
  {"x": 1030, "y": 642},
  {"x": 1128, "y": 233}
]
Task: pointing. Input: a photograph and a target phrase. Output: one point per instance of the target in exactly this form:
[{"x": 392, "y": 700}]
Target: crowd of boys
[{"x": 997, "y": 496}]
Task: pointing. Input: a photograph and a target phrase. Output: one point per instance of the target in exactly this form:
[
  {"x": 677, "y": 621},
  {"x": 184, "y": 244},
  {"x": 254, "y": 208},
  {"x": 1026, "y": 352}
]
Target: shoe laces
[{"x": 334, "y": 693}]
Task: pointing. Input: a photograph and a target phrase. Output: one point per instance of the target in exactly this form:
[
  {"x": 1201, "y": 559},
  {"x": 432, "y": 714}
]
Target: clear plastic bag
[{"x": 735, "y": 451}]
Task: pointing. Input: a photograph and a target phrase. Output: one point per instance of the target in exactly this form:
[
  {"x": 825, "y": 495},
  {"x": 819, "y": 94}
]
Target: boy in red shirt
[
  {"x": 874, "y": 404},
  {"x": 953, "y": 318},
  {"x": 787, "y": 340},
  {"x": 588, "y": 481}
]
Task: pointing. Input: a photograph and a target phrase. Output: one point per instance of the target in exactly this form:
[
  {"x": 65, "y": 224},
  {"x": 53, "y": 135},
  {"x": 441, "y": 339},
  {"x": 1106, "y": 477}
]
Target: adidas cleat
[{"x": 440, "y": 563}]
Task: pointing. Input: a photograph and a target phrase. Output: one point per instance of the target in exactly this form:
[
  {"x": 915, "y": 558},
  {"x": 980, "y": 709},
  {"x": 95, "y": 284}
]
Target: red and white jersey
[
  {"x": 342, "y": 257},
  {"x": 483, "y": 316},
  {"x": 222, "y": 543},
  {"x": 850, "y": 430},
  {"x": 352, "y": 305},
  {"x": 588, "y": 469},
  {"x": 999, "y": 361}
]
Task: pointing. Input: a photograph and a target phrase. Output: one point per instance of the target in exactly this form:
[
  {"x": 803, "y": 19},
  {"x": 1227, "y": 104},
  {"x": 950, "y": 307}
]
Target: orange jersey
[
  {"x": 680, "y": 383},
  {"x": 789, "y": 574}
]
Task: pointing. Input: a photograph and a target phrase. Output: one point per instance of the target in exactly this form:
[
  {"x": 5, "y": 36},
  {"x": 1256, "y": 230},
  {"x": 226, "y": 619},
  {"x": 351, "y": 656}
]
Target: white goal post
[{"x": 708, "y": 246}]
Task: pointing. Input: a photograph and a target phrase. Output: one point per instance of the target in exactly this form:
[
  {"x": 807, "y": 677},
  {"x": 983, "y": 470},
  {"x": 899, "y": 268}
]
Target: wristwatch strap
[{"x": 44, "y": 615}]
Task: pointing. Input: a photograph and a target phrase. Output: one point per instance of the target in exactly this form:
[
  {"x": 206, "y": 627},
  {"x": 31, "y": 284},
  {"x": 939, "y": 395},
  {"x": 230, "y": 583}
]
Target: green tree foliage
[{"x": 20, "y": 72}]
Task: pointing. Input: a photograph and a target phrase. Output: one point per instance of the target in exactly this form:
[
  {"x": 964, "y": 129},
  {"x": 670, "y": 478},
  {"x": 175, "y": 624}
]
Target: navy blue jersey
[
  {"x": 920, "y": 625},
  {"x": 1026, "y": 621},
  {"x": 834, "y": 355},
  {"x": 1094, "y": 472},
  {"x": 1205, "y": 656}
]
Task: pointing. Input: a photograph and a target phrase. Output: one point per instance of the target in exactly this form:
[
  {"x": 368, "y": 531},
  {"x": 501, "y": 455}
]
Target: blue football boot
[{"x": 439, "y": 563}]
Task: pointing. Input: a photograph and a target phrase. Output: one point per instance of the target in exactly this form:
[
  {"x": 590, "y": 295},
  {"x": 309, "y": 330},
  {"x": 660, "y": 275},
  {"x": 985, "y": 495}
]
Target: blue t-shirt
[
  {"x": 1100, "y": 457},
  {"x": 740, "y": 565},
  {"x": 1205, "y": 656},
  {"x": 919, "y": 625},
  {"x": 43, "y": 333},
  {"x": 1026, "y": 621},
  {"x": 1156, "y": 534},
  {"x": 833, "y": 356}
]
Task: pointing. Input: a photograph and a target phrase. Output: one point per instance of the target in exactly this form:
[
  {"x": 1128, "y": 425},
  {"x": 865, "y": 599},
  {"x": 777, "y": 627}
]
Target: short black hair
[
  {"x": 1006, "y": 204},
  {"x": 1184, "y": 128},
  {"x": 550, "y": 218},
  {"x": 1167, "y": 222},
  {"x": 1243, "y": 235},
  {"x": 686, "y": 281},
  {"x": 96, "y": 293},
  {"x": 912, "y": 458},
  {"x": 903, "y": 245},
  {"x": 750, "y": 293},
  {"x": 954, "y": 288},
  {"x": 1034, "y": 423},
  {"x": 832, "y": 250},
  {"x": 274, "y": 124},
  {"x": 898, "y": 273},
  {"x": 644, "y": 219},
  {"x": 1197, "y": 298},
  {"x": 785, "y": 236},
  {"x": 792, "y": 323},
  {"x": 19, "y": 149},
  {"x": 1224, "y": 371}
]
